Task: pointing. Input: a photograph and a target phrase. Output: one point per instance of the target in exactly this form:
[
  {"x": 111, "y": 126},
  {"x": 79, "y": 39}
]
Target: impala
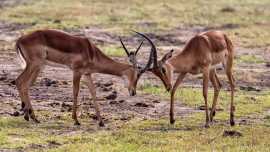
[
  {"x": 77, "y": 53},
  {"x": 200, "y": 55}
]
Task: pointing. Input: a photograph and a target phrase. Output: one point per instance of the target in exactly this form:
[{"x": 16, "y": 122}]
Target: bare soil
[
  {"x": 53, "y": 92},
  {"x": 11, "y": 3}
]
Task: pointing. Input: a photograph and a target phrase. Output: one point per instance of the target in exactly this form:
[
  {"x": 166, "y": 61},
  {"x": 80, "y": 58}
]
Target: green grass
[
  {"x": 250, "y": 59},
  {"x": 246, "y": 102},
  {"x": 188, "y": 134},
  {"x": 250, "y": 19},
  {"x": 113, "y": 51},
  {"x": 252, "y": 36},
  {"x": 172, "y": 138}
]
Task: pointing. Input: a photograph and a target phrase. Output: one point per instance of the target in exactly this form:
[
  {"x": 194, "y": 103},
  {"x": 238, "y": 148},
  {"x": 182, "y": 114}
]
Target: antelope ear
[{"x": 167, "y": 56}]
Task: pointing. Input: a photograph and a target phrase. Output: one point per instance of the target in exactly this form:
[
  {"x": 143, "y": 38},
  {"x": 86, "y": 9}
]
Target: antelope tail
[
  {"x": 20, "y": 56},
  {"x": 230, "y": 49}
]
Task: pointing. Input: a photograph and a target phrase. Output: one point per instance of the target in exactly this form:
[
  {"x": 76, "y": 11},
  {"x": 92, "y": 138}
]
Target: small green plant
[
  {"x": 250, "y": 59},
  {"x": 113, "y": 51}
]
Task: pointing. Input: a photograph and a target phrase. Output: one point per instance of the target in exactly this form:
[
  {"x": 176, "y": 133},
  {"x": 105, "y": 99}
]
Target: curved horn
[
  {"x": 151, "y": 56},
  {"x": 153, "y": 49},
  {"x": 138, "y": 48},
  {"x": 124, "y": 46},
  {"x": 147, "y": 66}
]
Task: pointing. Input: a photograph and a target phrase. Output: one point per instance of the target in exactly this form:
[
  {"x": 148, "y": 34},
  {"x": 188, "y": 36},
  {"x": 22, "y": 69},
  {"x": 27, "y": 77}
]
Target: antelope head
[
  {"x": 160, "y": 68},
  {"x": 137, "y": 70}
]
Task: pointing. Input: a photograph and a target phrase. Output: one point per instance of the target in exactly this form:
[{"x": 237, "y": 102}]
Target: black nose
[{"x": 168, "y": 89}]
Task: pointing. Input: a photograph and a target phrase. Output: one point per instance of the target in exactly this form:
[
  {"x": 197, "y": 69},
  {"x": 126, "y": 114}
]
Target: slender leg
[
  {"x": 92, "y": 90},
  {"x": 232, "y": 85},
  {"x": 19, "y": 82},
  {"x": 23, "y": 83},
  {"x": 215, "y": 82},
  {"x": 33, "y": 78},
  {"x": 217, "y": 79},
  {"x": 176, "y": 84},
  {"x": 205, "y": 92},
  {"x": 76, "y": 88}
]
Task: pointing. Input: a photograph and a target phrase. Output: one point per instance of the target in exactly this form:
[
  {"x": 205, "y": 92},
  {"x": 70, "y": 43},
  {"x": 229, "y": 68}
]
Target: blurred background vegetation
[{"x": 248, "y": 20}]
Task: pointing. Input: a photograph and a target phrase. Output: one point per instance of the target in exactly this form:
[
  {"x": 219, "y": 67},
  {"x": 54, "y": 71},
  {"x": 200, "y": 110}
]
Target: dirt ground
[{"x": 53, "y": 90}]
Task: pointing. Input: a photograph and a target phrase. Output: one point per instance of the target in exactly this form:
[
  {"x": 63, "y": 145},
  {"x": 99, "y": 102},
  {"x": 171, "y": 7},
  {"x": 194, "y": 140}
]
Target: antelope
[
  {"x": 39, "y": 48},
  {"x": 201, "y": 54}
]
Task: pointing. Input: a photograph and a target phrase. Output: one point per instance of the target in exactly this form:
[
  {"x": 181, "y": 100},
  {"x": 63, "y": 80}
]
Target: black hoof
[
  {"x": 232, "y": 123},
  {"x": 211, "y": 118},
  {"x": 33, "y": 117},
  {"x": 172, "y": 121},
  {"x": 26, "y": 117},
  {"x": 36, "y": 121},
  {"x": 214, "y": 113},
  {"x": 101, "y": 124},
  {"x": 207, "y": 125},
  {"x": 77, "y": 123},
  {"x": 22, "y": 105}
]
